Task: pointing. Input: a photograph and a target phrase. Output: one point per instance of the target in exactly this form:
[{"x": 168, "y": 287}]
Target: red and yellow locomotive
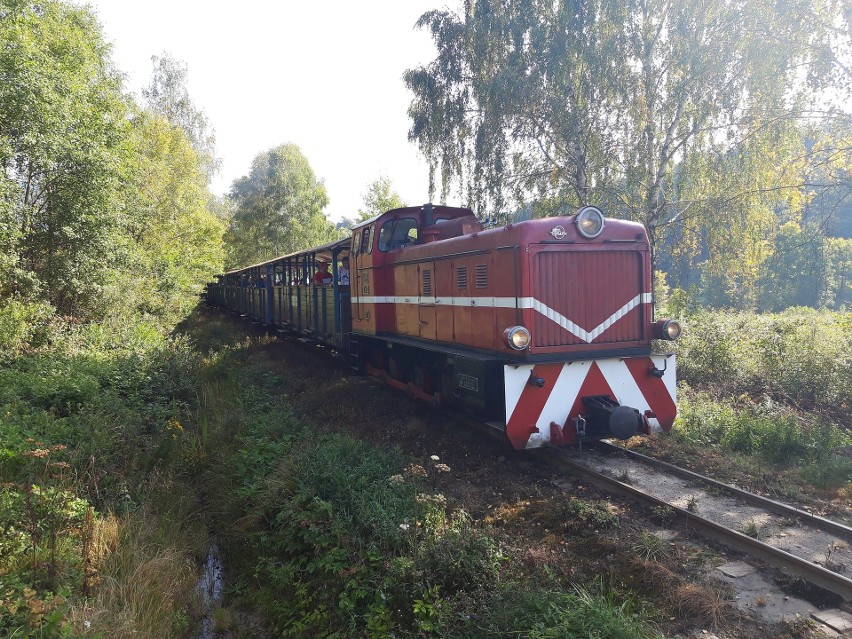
[{"x": 543, "y": 327}]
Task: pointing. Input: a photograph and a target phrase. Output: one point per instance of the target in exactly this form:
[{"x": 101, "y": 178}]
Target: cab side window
[
  {"x": 356, "y": 243},
  {"x": 367, "y": 240},
  {"x": 396, "y": 234}
]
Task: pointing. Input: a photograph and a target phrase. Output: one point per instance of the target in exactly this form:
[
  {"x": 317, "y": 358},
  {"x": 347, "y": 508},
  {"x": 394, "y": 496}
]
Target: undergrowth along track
[{"x": 657, "y": 488}]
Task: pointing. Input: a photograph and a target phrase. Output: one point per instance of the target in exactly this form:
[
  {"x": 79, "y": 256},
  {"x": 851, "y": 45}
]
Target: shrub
[
  {"x": 458, "y": 558},
  {"x": 768, "y": 430},
  {"x": 801, "y": 357},
  {"x": 23, "y": 324},
  {"x": 832, "y": 473}
]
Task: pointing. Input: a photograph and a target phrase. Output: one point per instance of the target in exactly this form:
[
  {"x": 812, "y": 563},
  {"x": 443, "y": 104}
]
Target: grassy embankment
[{"x": 96, "y": 538}]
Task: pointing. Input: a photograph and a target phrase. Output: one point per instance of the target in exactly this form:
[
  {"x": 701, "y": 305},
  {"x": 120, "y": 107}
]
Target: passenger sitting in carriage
[{"x": 322, "y": 277}]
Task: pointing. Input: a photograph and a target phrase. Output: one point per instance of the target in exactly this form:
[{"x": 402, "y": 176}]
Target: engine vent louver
[
  {"x": 461, "y": 277},
  {"x": 482, "y": 276},
  {"x": 427, "y": 283}
]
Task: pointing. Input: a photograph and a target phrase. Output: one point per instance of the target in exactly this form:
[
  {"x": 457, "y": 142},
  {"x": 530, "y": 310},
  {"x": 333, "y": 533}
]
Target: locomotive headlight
[
  {"x": 518, "y": 337},
  {"x": 667, "y": 329},
  {"x": 589, "y": 221}
]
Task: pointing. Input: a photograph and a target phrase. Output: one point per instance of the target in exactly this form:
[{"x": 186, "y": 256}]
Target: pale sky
[{"x": 326, "y": 76}]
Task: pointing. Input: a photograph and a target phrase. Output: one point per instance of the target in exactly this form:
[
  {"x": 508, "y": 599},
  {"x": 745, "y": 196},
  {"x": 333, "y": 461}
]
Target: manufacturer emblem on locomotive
[{"x": 558, "y": 232}]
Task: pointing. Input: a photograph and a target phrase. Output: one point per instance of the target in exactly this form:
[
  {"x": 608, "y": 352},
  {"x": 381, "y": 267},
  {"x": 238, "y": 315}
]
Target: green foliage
[
  {"x": 26, "y": 613},
  {"x": 326, "y": 535},
  {"x": 62, "y": 146},
  {"x": 87, "y": 421},
  {"x": 458, "y": 557},
  {"x": 743, "y": 195},
  {"x": 175, "y": 242},
  {"x": 543, "y": 610},
  {"x": 832, "y": 473},
  {"x": 801, "y": 356},
  {"x": 23, "y": 323},
  {"x": 168, "y": 96},
  {"x": 793, "y": 266},
  {"x": 379, "y": 198},
  {"x": 278, "y": 208},
  {"x": 112, "y": 391},
  {"x": 586, "y": 614},
  {"x": 588, "y": 516},
  {"x": 611, "y": 102},
  {"x": 340, "y": 539},
  {"x": 332, "y": 516},
  {"x": 100, "y": 213}
]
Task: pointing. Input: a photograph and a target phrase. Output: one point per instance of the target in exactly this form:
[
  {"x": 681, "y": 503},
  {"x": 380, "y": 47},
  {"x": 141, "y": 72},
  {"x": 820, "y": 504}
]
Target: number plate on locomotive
[{"x": 468, "y": 382}]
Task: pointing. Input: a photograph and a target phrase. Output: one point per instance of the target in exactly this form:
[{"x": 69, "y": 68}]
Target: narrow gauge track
[{"x": 799, "y": 532}]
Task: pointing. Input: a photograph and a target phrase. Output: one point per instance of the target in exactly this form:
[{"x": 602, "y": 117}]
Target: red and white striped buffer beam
[{"x": 543, "y": 399}]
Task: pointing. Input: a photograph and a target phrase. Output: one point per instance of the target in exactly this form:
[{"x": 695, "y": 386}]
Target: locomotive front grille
[{"x": 587, "y": 288}]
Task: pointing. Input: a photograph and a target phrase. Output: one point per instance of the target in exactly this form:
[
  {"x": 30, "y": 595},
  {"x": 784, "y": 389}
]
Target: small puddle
[{"x": 210, "y": 586}]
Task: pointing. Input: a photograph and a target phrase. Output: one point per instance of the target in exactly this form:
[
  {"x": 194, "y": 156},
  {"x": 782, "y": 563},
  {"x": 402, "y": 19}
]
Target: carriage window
[{"x": 398, "y": 234}]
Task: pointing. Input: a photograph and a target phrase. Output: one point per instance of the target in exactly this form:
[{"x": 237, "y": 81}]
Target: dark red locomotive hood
[{"x": 563, "y": 230}]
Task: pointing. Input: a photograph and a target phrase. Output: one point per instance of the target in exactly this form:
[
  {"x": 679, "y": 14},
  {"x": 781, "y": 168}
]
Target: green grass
[
  {"x": 775, "y": 434},
  {"x": 330, "y": 536},
  {"x": 94, "y": 421}
]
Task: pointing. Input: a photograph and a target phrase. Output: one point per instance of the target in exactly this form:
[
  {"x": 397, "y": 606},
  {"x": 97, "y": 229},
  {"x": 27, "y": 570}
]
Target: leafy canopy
[
  {"x": 63, "y": 134},
  {"x": 562, "y": 104},
  {"x": 278, "y": 208},
  {"x": 380, "y": 197},
  {"x": 103, "y": 207}
]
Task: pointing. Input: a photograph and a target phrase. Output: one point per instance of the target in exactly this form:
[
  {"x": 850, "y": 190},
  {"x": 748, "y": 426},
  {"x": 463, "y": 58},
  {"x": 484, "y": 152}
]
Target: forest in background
[{"x": 725, "y": 129}]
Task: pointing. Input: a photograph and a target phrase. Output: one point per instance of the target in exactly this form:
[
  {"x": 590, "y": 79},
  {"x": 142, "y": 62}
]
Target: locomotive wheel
[
  {"x": 423, "y": 379},
  {"x": 447, "y": 384},
  {"x": 395, "y": 370}
]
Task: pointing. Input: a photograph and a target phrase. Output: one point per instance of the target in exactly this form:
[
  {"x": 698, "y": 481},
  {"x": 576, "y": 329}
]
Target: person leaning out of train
[
  {"x": 322, "y": 277},
  {"x": 343, "y": 273}
]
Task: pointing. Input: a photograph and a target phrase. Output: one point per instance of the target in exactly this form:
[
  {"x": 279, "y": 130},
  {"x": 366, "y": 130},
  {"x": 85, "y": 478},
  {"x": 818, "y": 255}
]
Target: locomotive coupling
[{"x": 607, "y": 417}]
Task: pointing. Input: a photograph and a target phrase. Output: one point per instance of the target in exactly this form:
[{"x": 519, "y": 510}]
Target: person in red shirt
[{"x": 322, "y": 277}]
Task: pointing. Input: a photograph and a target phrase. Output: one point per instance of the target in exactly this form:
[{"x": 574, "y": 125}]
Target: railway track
[{"x": 810, "y": 547}]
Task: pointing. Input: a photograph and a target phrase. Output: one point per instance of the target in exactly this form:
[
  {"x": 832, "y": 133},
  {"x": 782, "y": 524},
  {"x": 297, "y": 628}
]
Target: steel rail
[
  {"x": 777, "y": 507},
  {"x": 813, "y": 573}
]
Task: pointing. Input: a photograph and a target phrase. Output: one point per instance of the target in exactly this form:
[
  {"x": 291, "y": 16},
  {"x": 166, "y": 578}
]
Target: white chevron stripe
[
  {"x": 564, "y": 393},
  {"x": 515, "y": 302}
]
